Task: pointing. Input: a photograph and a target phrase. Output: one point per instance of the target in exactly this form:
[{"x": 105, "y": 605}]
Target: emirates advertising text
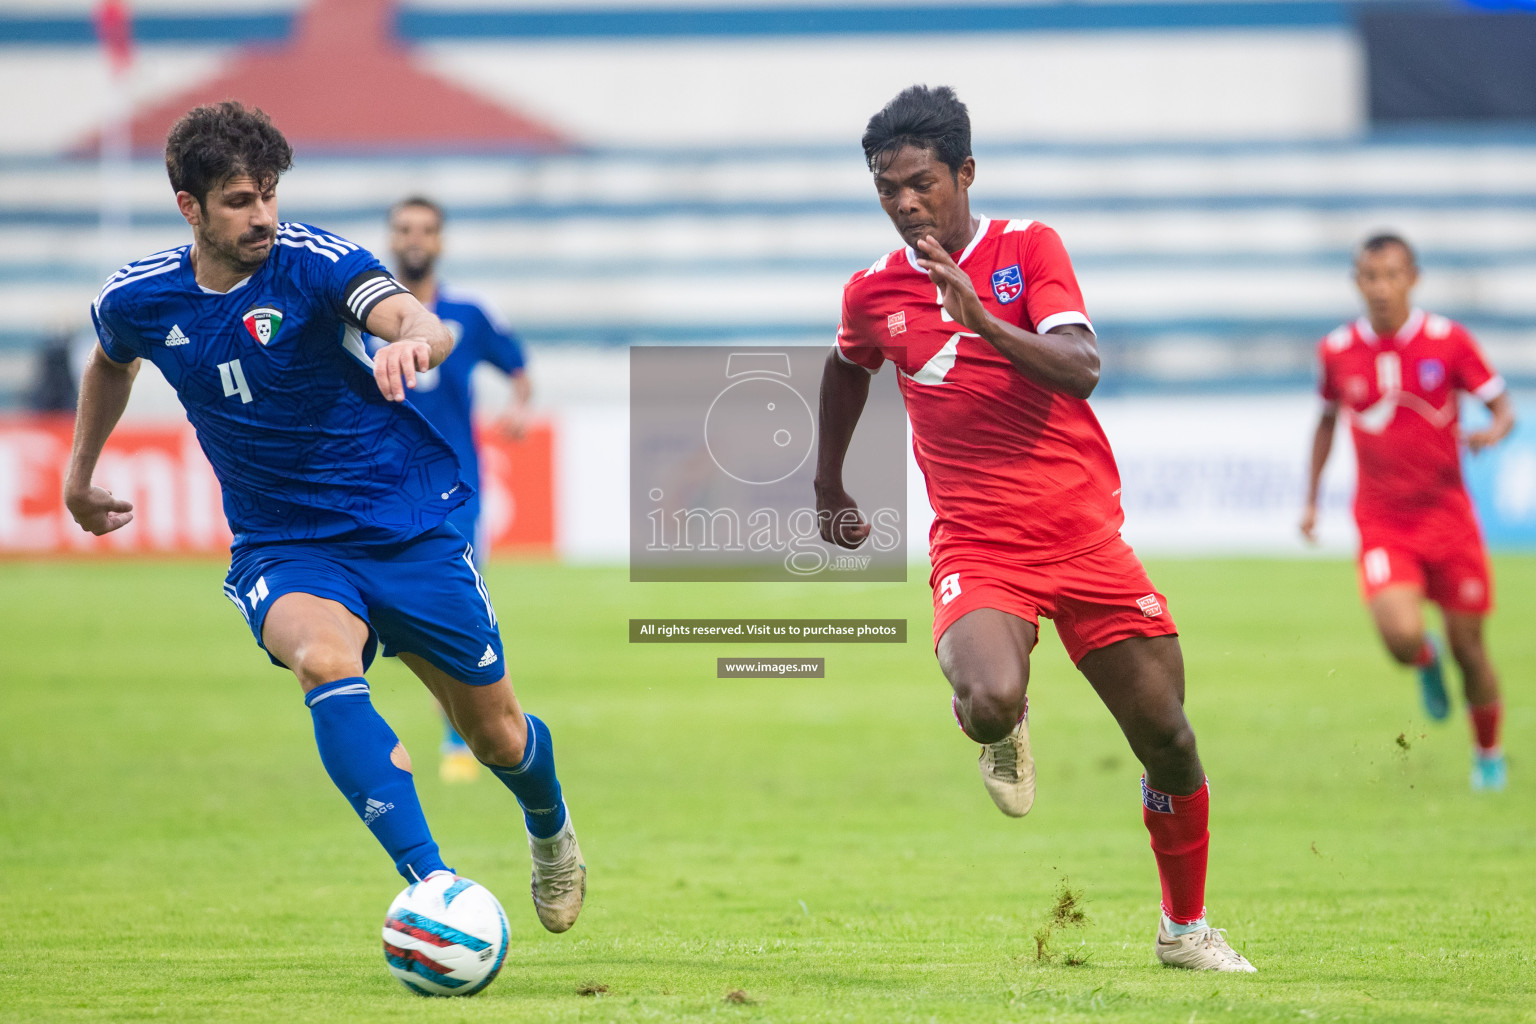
[{"x": 722, "y": 459}]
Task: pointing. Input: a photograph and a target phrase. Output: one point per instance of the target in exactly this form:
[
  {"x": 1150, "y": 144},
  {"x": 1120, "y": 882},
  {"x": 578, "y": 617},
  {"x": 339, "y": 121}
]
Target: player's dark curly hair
[
  {"x": 919, "y": 116},
  {"x": 214, "y": 143}
]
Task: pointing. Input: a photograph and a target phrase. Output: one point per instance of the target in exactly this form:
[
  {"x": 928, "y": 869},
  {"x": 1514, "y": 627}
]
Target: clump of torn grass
[{"x": 1066, "y": 912}]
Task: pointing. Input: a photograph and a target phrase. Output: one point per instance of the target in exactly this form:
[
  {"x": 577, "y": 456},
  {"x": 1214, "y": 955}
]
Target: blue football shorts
[
  {"x": 422, "y": 597},
  {"x": 466, "y": 519}
]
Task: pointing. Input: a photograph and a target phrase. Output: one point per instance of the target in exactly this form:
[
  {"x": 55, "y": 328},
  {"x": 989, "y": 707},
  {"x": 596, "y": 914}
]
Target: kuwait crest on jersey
[
  {"x": 1007, "y": 284},
  {"x": 262, "y": 323}
]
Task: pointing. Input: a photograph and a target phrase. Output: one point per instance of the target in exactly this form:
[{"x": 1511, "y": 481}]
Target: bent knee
[
  {"x": 1403, "y": 644},
  {"x": 318, "y": 664},
  {"x": 1179, "y": 744},
  {"x": 1170, "y": 748},
  {"x": 500, "y": 742},
  {"x": 990, "y": 706},
  {"x": 1470, "y": 657}
]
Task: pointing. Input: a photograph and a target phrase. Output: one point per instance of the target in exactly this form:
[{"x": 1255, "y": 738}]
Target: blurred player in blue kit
[
  {"x": 443, "y": 394},
  {"x": 337, "y": 491}
]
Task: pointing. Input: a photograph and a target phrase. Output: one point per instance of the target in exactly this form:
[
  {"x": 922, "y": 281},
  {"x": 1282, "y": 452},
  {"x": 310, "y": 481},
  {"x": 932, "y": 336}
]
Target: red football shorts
[
  {"x": 1452, "y": 570},
  {"x": 1095, "y": 599}
]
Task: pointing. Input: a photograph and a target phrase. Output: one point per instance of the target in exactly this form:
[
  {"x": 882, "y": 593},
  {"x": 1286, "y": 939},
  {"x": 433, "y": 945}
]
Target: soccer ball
[{"x": 446, "y": 936}]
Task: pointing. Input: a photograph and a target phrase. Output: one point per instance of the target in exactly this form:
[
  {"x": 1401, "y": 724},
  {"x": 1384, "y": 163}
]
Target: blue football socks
[
  {"x": 355, "y": 747},
  {"x": 534, "y": 784}
]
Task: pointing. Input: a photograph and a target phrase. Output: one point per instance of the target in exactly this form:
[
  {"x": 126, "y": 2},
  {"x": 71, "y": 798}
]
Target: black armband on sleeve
[{"x": 365, "y": 291}]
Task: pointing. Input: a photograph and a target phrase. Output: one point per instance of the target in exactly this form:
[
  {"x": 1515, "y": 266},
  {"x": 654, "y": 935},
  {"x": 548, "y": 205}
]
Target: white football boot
[
  {"x": 559, "y": 878},
  {"x": 1008, "y": 769},
  {"x": 1205, "y": 949}
]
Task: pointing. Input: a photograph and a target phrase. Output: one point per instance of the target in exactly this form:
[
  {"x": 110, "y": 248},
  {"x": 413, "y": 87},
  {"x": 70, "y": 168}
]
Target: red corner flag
[{"x": 114, "y": 28}]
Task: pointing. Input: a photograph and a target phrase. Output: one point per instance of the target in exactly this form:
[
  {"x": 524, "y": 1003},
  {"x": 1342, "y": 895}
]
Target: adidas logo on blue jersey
[
  {"x": 488, "y": 658},
  {"x": 283, "y": 493}
]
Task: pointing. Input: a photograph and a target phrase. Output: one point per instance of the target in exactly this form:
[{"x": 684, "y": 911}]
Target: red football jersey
[
  {"x": 1400, "y": 396},
  {"x": 1011, "y": 467}
]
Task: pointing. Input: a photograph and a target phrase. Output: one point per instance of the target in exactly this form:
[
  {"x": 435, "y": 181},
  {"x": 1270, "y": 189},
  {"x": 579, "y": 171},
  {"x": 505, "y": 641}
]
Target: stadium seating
[{"x": 1210, "y": 264}]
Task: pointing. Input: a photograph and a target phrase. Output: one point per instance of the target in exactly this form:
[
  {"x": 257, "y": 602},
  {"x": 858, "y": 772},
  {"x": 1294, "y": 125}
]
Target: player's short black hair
[
  {"x": 1382, "y": 239},
  {"x": 213, "y": 143},
  {"x": 420, "y": 201},
  {"x": 919, "y": 116}
]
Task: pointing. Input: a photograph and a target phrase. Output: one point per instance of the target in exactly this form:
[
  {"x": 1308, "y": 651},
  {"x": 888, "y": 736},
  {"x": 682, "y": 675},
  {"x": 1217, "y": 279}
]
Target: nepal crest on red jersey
[
  {"x": 1007, "y": 284},
  {"x": 1431, "y": 374}
]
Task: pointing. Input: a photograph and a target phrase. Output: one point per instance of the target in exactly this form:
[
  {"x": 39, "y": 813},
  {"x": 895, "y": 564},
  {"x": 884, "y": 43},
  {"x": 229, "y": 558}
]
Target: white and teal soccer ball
[{"x": 446, "y": 936}]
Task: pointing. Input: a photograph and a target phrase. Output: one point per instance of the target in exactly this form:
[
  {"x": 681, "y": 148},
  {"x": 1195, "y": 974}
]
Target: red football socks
[
  {"x": 1181, "y": 841},
  {"x": 1485, "y": 725},
  {"x": 1426, "y": 655}
]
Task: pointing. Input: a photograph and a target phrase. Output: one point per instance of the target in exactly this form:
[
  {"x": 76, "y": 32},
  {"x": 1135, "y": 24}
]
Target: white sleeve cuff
[
  {"x": 1070, "y": 316},
  {"x": 838, "y": 348},
  {"x": 1492, "y": 389}
]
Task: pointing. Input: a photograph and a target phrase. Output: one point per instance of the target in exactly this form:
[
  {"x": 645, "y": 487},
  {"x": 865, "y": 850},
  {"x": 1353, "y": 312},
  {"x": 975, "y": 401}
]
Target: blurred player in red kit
[
  {"x": 995, "y": 358},
  {"x": 1397, "y": 373}
]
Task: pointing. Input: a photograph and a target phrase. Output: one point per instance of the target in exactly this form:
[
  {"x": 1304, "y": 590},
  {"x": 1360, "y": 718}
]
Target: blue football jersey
[
  {"x": 276, "y": 381},
  {"x": 443, "y": 393}
]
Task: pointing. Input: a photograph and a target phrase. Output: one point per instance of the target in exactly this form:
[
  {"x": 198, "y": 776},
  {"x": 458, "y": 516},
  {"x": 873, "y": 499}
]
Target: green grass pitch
[{"x": 171, "y": 850}]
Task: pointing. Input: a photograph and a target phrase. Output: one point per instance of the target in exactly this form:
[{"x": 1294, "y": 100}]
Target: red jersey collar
[
  {"x": 981, "y": 232},
  {"x": 1405, "y": 333}
]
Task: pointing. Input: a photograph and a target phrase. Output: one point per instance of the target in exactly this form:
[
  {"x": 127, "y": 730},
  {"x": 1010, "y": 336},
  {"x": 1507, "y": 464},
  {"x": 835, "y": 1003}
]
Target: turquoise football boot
[
  {"x": 1437, "y": 703},
  {"x": 1489, "y": 774}
]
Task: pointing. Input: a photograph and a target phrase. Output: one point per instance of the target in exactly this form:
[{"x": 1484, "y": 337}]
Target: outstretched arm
[
  {"x": 104, "y": 389},
  {"x": 844, "y": 390},
  {"x": 512, "y": 421},
  {"x": 1322, "y": 445},
  {"x": 1503, "y": 422},
  {"x": 1065, "y": 359},
  {"x": 417, "y": 341}
]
